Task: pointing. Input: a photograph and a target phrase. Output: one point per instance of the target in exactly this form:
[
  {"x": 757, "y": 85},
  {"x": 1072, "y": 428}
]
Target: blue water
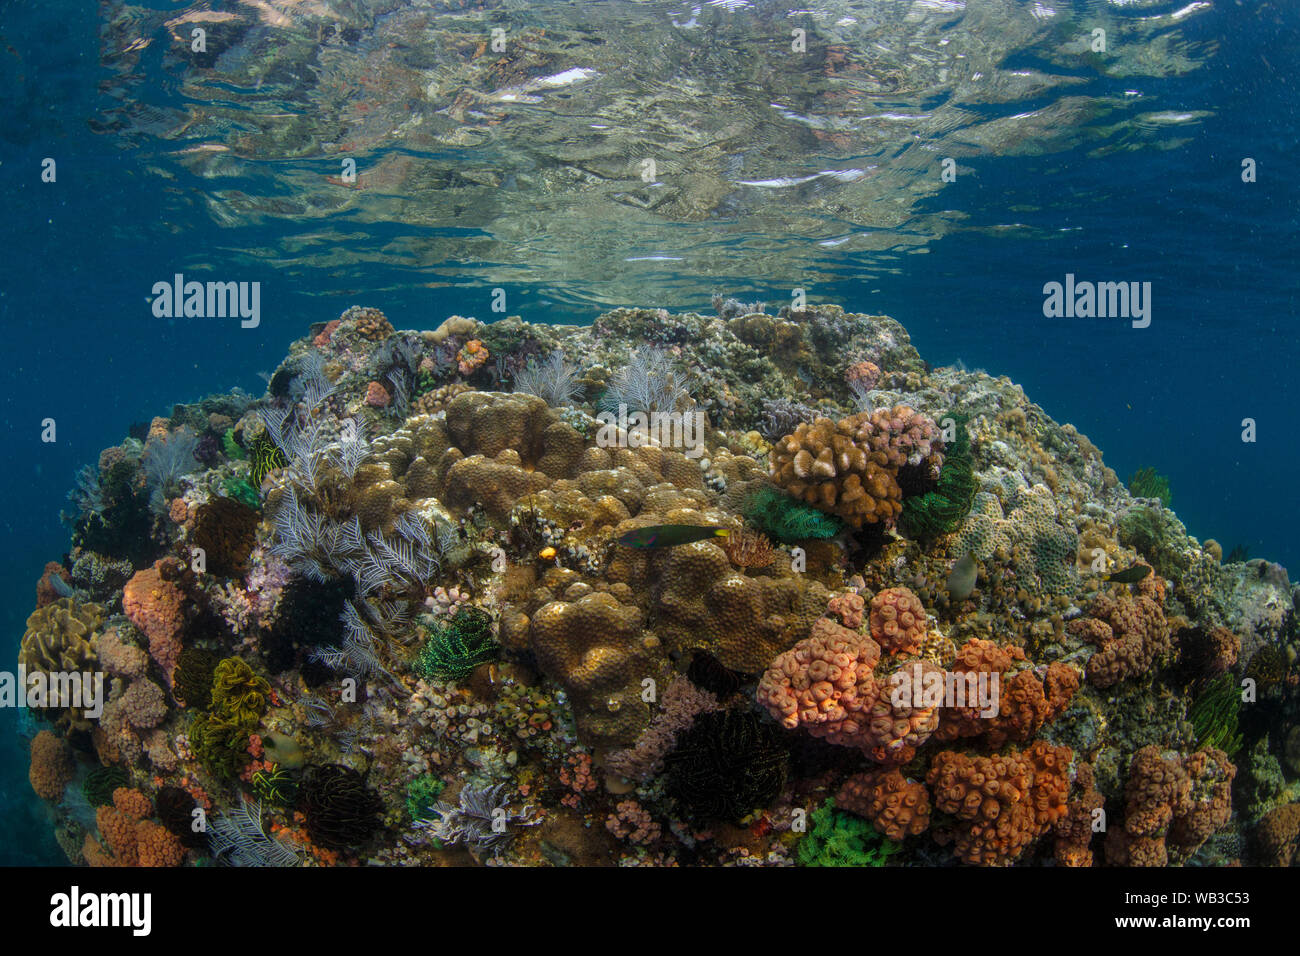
[{"x": 80, "y": 256}]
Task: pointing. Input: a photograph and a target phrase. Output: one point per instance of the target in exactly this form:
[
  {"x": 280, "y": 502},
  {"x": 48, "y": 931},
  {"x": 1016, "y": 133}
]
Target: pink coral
[
  {"x": 156, "y": 606},
  {"x": 679, "y": 705},
  {"x": 824, "y": 683},
  {"x": 849, "y": 608},
  {"x": 633, "y": 823},
  {"x": 898, "y": 621},
  {"x": 827, "y": 685}
]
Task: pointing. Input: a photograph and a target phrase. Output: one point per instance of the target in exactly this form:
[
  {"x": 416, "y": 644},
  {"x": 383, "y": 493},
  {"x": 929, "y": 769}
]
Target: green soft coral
[
  {"x": 943, "y": 510},
  {"x": 787, "y": 519},
  {"x": 841, "y": 839}
]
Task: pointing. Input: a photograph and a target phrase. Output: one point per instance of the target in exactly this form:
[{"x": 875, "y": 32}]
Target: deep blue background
[{"x": 79, "y": 257}]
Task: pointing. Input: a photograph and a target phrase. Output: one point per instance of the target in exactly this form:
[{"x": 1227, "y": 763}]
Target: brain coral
[
  {"x": 1004, "y": 802},
  {"x": 897, "y": 806},
  {"x": 52, "y": 767},
  {"x": 58, "y": 640},
  {"x": 1131, "y": 634}
]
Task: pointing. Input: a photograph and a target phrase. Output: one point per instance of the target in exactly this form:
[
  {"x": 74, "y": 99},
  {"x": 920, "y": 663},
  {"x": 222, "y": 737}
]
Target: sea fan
[{"x": 555, "y": 380}]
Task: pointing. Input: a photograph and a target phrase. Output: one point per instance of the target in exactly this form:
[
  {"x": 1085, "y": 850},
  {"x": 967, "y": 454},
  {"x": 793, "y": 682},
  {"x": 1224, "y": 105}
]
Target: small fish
[
  {"x": 961, "y": 582},
  {"x": 669, "y": 535},
  {"x": 1131, "y": 575}
]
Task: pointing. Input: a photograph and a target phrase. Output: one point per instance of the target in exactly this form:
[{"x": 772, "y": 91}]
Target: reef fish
[
  {"x": 669, "y": 535},
  {"x": 1130, "y": 575}
]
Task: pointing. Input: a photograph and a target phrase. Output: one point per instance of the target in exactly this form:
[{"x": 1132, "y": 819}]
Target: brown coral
[
  {"x": 594, "y": 647},
  {"x": 850, "y": 467},
  {"x": 52, "y": 767},
  {"x": 898, "y": 621},
  {"x": 225, "y": 529},
  {"x": 1131, "y": 632},
  {"x": 58, "y": 643},
  {"x": 1279, "y": 835},
  {"x": 1004, "y": 802},
  {"x": 897, "y": 806},
  {"x": 1172, "y": 803}
]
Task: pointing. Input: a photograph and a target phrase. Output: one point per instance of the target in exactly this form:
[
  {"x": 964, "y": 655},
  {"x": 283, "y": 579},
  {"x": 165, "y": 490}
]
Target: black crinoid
[
  {"x": 341, "y": 811},
  {"x": 728, "y": 764}
]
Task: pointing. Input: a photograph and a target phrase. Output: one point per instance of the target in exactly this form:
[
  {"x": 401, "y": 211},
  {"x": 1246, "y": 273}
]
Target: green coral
[
  {"x": 266, "y": 457},
  {"x": 841, "y": 839},
  {"x": 943, "y": 510},
  {"x": 100, "y": 783},
  {"x": 1149, "y": 483},
  {"x": 233, "y": 449},
  {"x": 454, "y": 649},
  {"x": 422, "y": 793},
  {"x": 787, "y": 519},
  {"x": 1215, "y": 713},
  {"x": 243, "y": 492}
]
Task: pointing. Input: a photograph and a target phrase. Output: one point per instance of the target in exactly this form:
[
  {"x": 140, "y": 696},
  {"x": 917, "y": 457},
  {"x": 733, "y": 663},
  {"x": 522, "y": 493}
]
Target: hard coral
[
  {"x": 593, "y": 647},
  {"x": 154, "y": 604},
  {"x": 826, "y": 684},
  {"x": 898, "y": 621},
  {"x": 704, "y": 604},
  {"x": 1132, "y": 634},
  {"x": 52, "y": 767},
  {"x": 850, "y": 468},
  {"x": 897, "y": 806},
  {"x": 1004, "y": 802},
  {"x": 1172, "y": 803}
]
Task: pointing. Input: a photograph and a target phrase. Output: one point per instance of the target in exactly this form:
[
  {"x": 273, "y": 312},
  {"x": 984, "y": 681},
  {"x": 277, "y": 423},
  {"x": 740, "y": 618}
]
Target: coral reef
[{"x": 388, "y": 613}]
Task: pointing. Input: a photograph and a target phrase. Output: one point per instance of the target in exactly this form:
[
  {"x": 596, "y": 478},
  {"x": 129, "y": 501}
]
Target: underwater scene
[{"x": 704, "y": 433}]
